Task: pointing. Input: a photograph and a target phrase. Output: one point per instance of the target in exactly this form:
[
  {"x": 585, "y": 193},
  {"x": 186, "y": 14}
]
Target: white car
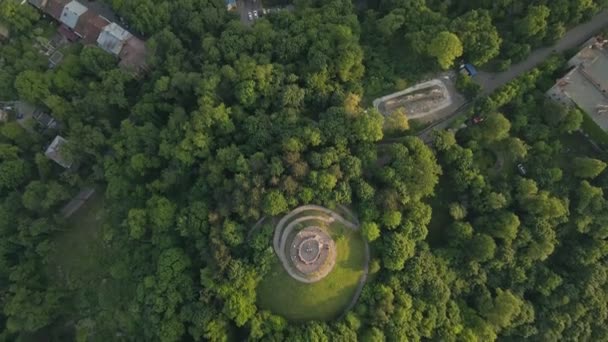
[
  {"x": 255, "y": 14},
  {"x": 250, "y": 16}
]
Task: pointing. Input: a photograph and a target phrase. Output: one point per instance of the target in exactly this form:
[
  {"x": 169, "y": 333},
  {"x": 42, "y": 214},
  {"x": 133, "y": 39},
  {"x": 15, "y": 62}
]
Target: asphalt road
[
  {"x": 246, "y": 6},
  {"x": 491, "y": 81}
]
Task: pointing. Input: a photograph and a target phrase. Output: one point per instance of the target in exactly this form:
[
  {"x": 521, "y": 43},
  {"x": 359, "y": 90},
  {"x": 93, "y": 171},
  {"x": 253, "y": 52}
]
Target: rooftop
[
  {"x": 586, "y": 84},
  {"x": 112, "y": 38},
  {"x": 55, "y": 8},
  {"x": 54, "y": 153},
  {"x": 90, "y": 26},
  {"x": 71, "y": 12}
]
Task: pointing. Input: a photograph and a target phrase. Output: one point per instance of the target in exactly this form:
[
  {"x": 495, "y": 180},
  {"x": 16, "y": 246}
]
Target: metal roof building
[
  {"x": 53, "y": 152},
  {"x": 71, "y": 13},
  {"x": 112, "y": 38}
]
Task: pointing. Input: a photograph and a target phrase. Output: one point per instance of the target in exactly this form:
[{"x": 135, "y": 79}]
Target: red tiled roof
[
  {"x": 89, "y": 27},
  {"x": 69, "y": 34},
  {"x": 55, "y": 7}
]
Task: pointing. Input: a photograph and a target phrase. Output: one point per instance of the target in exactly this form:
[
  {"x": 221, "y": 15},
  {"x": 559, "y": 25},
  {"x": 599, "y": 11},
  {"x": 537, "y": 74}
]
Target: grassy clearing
[
  {"x": 77, "y": 250},
  {"x": 81, "y": 262},
  {"x": 323, "y": 300}
]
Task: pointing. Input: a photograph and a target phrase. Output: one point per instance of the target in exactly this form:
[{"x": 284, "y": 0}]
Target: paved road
[
  {"x": 491, "y": 81},
  {"x": 244, "y": 7}
]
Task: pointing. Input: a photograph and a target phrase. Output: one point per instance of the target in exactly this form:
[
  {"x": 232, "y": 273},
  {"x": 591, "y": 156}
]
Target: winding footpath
[{"x": 282, "y": 232}]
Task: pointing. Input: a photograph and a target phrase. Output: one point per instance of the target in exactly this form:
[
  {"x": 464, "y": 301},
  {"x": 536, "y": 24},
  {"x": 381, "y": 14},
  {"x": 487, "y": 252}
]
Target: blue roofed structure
[{"x": 470, "y": 69}]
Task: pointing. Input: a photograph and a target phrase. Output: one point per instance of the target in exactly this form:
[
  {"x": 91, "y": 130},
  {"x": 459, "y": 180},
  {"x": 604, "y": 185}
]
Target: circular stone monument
[
  {"x": 303, "y": 243},
  {"x": 313, "y": 252}
]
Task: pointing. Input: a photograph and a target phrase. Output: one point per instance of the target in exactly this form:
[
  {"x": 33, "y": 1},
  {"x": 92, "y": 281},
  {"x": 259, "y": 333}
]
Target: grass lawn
[
  {"x": 80, "y": 262},
  {"x": 78, "y": 249},
  {"x": 325, "y": 299}
]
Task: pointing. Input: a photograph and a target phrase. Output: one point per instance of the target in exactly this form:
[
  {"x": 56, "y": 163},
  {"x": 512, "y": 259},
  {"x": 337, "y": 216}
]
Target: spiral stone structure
[{"x": 304, "y": 245}]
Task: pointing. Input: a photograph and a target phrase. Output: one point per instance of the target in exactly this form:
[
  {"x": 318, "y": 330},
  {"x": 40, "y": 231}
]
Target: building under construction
[{"x": 586, "y": 84}]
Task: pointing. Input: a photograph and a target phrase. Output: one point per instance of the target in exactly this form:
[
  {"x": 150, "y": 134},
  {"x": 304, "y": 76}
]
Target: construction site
[
  {"x": 427, "y": 101},
  {"x": 586, "y": 84}
]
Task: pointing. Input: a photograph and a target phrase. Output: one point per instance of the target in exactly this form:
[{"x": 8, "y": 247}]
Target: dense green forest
[{"x": 232, "y": 123}]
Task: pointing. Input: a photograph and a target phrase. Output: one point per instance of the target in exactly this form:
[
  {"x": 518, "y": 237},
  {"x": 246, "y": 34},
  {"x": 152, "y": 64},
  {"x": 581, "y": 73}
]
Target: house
[
  {"x": 55, "y": 8},
  {"x": 112, "y": 38},
  {"x": 44, "y": 119},
  {"x": 54, "y": 152},
  {"x": 133, "y": 55},
  {"x": 89, "y": 27},
  {"x": 585, "y": 85},
  {"x": 71, "y": 14}
]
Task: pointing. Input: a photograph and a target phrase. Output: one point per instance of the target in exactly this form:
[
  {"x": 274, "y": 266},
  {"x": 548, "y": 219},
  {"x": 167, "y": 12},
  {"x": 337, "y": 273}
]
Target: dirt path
[
  {"x": 281, "y": 234},
  {"x": 362, "y": 282}
]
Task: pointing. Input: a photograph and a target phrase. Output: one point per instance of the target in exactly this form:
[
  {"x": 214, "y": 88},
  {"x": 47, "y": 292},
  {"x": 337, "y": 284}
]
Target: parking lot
[{"x": 248, "y": 9}]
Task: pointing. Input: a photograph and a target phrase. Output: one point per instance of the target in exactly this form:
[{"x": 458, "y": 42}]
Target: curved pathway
[
  {"x": 282, "y": 233},
  {"x": 362, "y": 282}
]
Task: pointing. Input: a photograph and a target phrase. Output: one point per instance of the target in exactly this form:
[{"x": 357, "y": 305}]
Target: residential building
[
  {"x": 55, "y": 153},
  {"x": 55, "y": 8},
  {"x": 586, "y": 84},
  {"x": 78, "y": 22},
  {"x": 112, "y": 38},
  {"x": 71, "y": 14},
  {"x": 89, "y": 27}
]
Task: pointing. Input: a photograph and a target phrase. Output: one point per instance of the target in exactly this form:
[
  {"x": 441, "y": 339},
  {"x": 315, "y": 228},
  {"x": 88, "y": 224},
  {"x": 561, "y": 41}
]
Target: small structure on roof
[
  {"x": 71, "y": 14},
  {"x": 54, "y": 152},
  {"x": 112, "y": 38}
]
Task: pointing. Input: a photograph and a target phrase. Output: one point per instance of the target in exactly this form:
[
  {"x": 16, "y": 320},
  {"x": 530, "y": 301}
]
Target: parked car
[
  {"x": 522, "y": 169},
  {"x": 478, "y": 119}
]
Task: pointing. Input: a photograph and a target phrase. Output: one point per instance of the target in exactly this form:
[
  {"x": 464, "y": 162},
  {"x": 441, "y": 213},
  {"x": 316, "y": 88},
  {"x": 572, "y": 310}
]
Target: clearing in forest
[
  {"x": 320, "y": 263},
  {"x": 81, "y": 262}
]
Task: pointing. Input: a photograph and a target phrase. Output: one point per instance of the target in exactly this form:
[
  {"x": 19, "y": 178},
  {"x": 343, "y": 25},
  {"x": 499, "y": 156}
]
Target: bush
[{"x": 467, "y": 86}]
